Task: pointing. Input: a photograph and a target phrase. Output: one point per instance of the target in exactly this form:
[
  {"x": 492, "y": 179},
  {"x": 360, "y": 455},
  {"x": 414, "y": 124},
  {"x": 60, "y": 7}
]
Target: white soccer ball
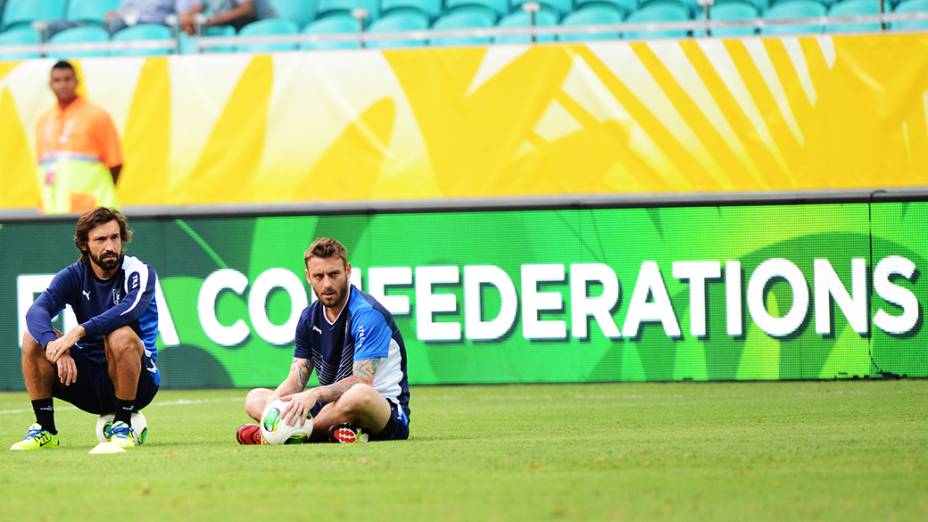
[
  {"x": 139, "y": 424},
  {"x": 275, "y": 431}
]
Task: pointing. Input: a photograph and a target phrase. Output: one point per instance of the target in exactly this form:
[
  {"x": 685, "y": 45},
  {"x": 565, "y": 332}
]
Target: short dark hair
[
  {"x": 62, "y": 64},
  {"x": 95, "y": 217},
  {"x": 326, "y": 247}
]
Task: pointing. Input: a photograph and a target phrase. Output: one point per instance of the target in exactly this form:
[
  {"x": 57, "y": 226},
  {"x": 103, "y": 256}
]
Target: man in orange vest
[{"x": 78, "y": 150}]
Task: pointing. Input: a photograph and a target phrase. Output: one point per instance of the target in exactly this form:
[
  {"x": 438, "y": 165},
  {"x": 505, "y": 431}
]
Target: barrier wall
[
  {"x": 704, "y": 293},
  {"x": 672, "y": 116}
]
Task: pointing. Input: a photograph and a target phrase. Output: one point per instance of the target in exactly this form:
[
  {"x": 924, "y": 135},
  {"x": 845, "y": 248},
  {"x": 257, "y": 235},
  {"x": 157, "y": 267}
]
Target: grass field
[{"x": 730, "y": 451}]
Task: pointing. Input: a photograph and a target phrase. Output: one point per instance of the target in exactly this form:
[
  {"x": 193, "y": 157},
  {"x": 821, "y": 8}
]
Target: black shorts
[
  {"x": 93, "y": 391},
  {"x": 397, "y": 427}
]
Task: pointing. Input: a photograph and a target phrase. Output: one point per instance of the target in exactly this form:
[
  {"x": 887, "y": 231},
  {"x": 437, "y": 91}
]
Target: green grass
[{"x": 731, "y": 451}]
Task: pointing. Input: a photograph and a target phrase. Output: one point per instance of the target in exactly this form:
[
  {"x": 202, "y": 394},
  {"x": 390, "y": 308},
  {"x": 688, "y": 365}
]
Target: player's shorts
[
  {"x": 93, "y": 391},
  {"x": 397, "y": 427}
]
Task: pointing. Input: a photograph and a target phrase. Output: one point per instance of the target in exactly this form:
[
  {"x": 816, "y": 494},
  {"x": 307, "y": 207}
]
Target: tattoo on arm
[
  {"x": 302, "y": 369},
  {"x": 366, "y": 369}
]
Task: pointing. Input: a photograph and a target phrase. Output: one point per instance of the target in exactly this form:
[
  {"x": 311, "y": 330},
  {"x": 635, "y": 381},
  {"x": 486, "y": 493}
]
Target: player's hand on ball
[
  {"x": 67, "y": 370},
  {"x": 298, "y": 407}
]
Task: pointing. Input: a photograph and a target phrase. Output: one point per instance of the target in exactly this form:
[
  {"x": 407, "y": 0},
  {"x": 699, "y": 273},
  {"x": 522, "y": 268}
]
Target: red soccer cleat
[
  {"x": 346, "y": 434},
  {"x": 249, "y": 434}
]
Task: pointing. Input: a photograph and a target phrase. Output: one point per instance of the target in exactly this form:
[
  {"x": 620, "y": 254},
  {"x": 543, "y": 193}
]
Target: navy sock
[
  {"x": 124, "y": 411},
  {"x": 45, "y": 414}
]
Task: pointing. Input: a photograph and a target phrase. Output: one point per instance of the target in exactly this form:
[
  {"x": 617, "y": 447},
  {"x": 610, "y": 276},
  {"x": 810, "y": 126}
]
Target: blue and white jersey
[
  {"x": 364, "y": 330},
  {"x": 101, "y": 306}
]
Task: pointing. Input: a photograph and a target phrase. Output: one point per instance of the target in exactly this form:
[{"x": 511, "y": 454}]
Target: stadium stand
[
  {"x": 269, "y": 27},
  {"x": 591, "y": 14},
  {"x": 85, "y": 34},
  {"x": 142, "y": 32},
  {"x": 336, "y": 16},
  {"x": 397, "y": 21},
  {"x": 465, "y": 17}
]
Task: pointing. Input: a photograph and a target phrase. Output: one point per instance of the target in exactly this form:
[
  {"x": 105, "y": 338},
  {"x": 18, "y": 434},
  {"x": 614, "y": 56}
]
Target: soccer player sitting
[
  {"x": 106, "y": 364},
  {"x": 354, "y": 346}
]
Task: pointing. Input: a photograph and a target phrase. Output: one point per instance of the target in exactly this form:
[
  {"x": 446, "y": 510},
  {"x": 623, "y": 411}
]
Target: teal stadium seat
[
  {"x": 734, "y": 11},
  {"x": 85, "y": 34},
  {"x": 90, "y": 11},
  {"x": 627, "y": 6},
  {"x": 269, "y": 27},
  {"x": 24, "y": 12},
  {"x": 854, "y": 8},
  {"x": 398, "y": 21},
  {"x": 142, "y": 32},
  {"x": 430, "y": 8},
  {"x": 465, "y": 17},
  {"x": 329, "y": 7},
  {"x": 794, "y": 9},
  {"x": 560, "y": 7},
  {"x": 334, "y": 23},
  {"x": 592, "y": 14},
  {"x": 659, "y": 12},
  {"x": 22, "y": 35},
  {"x": 911, "y": 6},
  {"x": 497, "y": 7},
  {"x": 188, "y": 43},
  {"x": 521, "y": 19},
  {"x": 761, "y": 5},
  {"x": 302, "y": 12}
]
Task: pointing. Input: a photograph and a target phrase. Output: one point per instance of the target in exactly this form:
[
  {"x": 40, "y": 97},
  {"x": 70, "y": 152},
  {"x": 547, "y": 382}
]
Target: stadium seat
[
  {"x": 24, "y": 12},
  {"x": 86, "y": 34},
  {"x": 659, "y": 12},
  {"x": 90, "y": 11},
  {"x": 269, "y": 27},
  {"x": 734, "y": 11},
  {"x": 854, "y": 8},
  {"x": 761, "y": 5},
  {"x": 627, "y": 6},
  {"x": 142, "y": 32},
  {"x": 521, "y": 19},
  {"x": 398, "y": 21},
  {"x": 188, "y": 43},
  {"x": 560, "y": 7},
  {"x": 498, "y": 7},
  {"x": 430, "y": 8},
  {"x": 302, "y": 12},
  {"x": 465, "y": 17},
  {"x": 23, "y": 35},
  {"x": 592, "y": 14},
  {"x": 334, "y": 23},
  {"x": 794, "y": 9},
  {"x": 327, "y": 8},
  {"x": 911, "y": 6}
]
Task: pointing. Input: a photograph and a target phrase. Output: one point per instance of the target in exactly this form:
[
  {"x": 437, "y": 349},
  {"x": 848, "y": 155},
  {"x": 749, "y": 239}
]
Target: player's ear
[{"x": 348, "y": 270}]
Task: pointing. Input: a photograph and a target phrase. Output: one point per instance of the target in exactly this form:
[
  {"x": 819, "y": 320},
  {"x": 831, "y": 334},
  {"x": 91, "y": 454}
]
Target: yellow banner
[{"x": 672, "y": 116}]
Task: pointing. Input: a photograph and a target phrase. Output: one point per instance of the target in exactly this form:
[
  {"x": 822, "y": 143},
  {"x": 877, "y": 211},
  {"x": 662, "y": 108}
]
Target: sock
[
  {"x": 124, "y": 410},
  {"x": 45, "y": 414}
]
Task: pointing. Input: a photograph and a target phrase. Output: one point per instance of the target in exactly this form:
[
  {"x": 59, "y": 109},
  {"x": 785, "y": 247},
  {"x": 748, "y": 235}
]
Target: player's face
[
  {"x": 329, "y": 278},
  {"x": 105, "y": 245},
  {"x": 63, "y": 83}
]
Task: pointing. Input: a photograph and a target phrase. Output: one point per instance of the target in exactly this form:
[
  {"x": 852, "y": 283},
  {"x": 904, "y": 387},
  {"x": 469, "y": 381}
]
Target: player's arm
[
  {"x": 48, "y": 305},
  {"x": 300, "y": 371},
  {"x": 140, "y": 288}
]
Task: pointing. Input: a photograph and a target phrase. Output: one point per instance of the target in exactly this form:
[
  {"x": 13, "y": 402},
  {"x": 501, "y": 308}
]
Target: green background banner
[{"x": 640, "y": 294}]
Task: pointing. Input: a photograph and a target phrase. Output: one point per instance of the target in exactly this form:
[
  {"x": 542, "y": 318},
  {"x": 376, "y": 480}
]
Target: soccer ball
[
  {"x": 139, "y": 424},
  {"x": 275, "y": 431}
]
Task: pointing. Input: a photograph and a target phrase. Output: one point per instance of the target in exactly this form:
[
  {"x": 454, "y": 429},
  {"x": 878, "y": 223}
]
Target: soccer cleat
[
  {"x": 36, "y": 438},
  {"x": 347, "y": 434},
  {"x": 122, "y": 435},
  {"x": 249, "y": 434}
]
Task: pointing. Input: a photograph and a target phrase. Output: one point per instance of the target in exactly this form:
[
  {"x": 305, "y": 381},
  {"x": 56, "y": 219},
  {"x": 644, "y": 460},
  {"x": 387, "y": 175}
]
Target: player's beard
[
  {"x": 336, "y": 298},
  {"x": 107, "y": 260}
]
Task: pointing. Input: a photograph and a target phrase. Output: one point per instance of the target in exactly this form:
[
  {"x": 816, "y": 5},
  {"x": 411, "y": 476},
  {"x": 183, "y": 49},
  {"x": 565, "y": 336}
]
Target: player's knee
[
  {"x": 123, "y": 340},
  {"x": 360, "y": 398},
  {"x": 254, "y": 402}
]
